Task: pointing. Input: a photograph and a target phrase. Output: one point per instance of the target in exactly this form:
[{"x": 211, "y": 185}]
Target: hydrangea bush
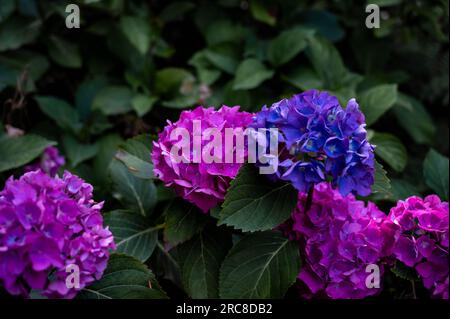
[{"x": 94, "y": 205}]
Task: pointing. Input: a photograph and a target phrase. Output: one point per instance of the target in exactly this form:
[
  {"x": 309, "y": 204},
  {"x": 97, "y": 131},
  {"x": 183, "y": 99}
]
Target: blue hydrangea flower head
[{"x": 321, "y": 141}]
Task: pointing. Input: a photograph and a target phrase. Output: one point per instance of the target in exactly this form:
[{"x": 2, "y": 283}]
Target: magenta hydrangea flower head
[
  {"x": 50, "y": 162},
  {"x": 321, "y": 141},
  {"x": 339, "y": 237},
  {"x": 48, "y": 224},
  {"x": 198, "y": 181},
  {"x": 421, "y": 240}
]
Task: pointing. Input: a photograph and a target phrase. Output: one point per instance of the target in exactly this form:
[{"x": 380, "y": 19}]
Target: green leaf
[
  {"x": 107, "y": 147},
  {"x": 135, "y": 165},
  {"x": 119, "y": 45},
  {"x": 324, "y": 22},
  {"x": 175, "y": 11},
  {"x": 256, "y": 47},
  {"x": 435, "y": 171},
  {"x": 135, "y": 154},
  {"x": 402, "y": 189},
  {"x": 348, "y": 87},
  {"x": 133, "y": 234},
  {"x": 215, "y": 212},
  {"x": 183, "y": 221},
  {"x": 303, "y": 79},
  {"x": 177, "y": 87},
  {"x": 21, "y": 150},
  {"x": 8, "y": 78},
  {"x": 113, "y": 100},
  {"x": 382, "y": 184},
  {"x": 24, "y": 60},
  {"x": 64, "y": 115},
  {"x": 414, "y": 119},
  {"x": 232, "y": 97},
  {"x": 138, "y": 31},
  {"x": 222, "y": 60},
  {"x": 97, "y": 123},
  {"x": 78, "y": 152},
  {"x": 183, "y": 101},
  {"x": 391, "y": 150},
  {"x": 253, "y": 203},
  {"x": 6, "y": 9},
  {"x": 16, "y": 32},
  {"x": 261, "y": 265},
  {"x": 287, "y": 45},
  {"x": 165, "y": 193},
  {"x": 261, "y": 13},
  {"x": 143, "y": 104},
  {"x": 251, "y": 73},
  {"x": 222, "y": 31},
  {"x": 170, "y": 80},
  {"x": 206, "y": 72},
  {"x": 200, "y": 260},
  {"x": 28, "y": 8},
  {"x": 64, "y": 53},
  {"x": 377, "y": 100},
  {"x": 326, "y": 61},
  {"x": 124, "y": 278},
  {"x": 136, "y": 194},
  {"x": 384, "y": 3},
  {"x": 140, "y": 146},
  {"x": 85, "y": 95},
  {"x": 162, "y": 49},
  {"x": 404, "y": 272}
]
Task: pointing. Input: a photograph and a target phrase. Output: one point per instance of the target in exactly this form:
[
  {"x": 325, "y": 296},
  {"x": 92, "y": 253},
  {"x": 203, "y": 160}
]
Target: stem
[
  {"x": 160, "y": 226},
  {"x": 309, "y": 199},
  {"x": 413, "y": 289}
]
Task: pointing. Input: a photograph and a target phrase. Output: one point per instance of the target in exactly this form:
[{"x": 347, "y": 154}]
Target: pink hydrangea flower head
[
  {"x": 203, "y": 184},
  {"x": 48, "y": 224},
  {"x": 339, "y": 236},
  {"x": 421, "y": 240}
]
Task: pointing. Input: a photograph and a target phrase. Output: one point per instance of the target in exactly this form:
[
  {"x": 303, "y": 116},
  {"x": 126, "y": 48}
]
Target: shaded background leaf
[
  {"x": 435, "y": 171},
  {"x": 18, "y": 151}
]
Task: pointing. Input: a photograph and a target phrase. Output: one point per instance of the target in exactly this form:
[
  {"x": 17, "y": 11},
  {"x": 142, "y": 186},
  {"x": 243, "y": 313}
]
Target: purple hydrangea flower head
[
  {"x": 50, "y": 162},
  {"x": 48, "y": 224},
  {"x": 339, "y": 237},
  {"x": 421, "y": 240},
  {"x": 321, "y": 141},
  {"x": 203, "y": 184}
]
